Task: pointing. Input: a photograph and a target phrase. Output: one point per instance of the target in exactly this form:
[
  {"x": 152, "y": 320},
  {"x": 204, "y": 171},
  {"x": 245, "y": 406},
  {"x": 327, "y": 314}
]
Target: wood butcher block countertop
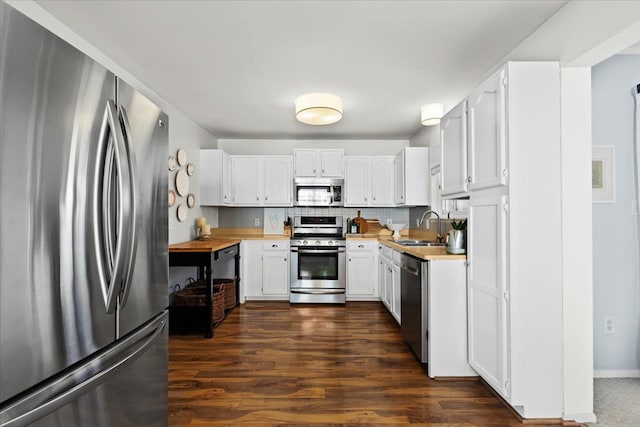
[
  {"x": 203, "y": 245},
  {"x": 422, "y": 252}
]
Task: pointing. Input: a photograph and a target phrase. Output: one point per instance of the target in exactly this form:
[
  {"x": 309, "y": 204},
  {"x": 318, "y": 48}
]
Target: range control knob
[
  {"x": 330, "y": 242},
  {"x": 317, "y": 242},
  {"x": 304, "y": 242}
]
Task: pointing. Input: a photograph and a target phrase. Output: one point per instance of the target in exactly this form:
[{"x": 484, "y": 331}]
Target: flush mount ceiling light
[
  {"x": 318, "y": 108},
  {"x": 430, "y": 114}
]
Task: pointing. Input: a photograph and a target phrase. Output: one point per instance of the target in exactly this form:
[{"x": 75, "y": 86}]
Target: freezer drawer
[{"x": 123, "y": 385}]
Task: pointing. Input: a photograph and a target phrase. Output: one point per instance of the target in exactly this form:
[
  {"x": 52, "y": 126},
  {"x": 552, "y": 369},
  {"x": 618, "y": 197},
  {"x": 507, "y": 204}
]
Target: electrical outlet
[
  {"x": 389, "y": 221},
  {"x": 609, "y": 325},
  {"x": 417, "y": 223},
  {"x": 256, "y": 222}
]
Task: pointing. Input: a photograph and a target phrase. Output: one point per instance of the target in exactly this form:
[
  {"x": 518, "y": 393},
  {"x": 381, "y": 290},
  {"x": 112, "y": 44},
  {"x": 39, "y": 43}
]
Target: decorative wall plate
[
  {"x": 182, "y": 183},
  {"x": 182, "y": 157},
  {"x": 172, "y": 198},
  {"x": 191, "y": 169},
  {"x": 172, "y": 163},
  {"x": 191, "y": 200},
  {"x": 182, "y": 213}
]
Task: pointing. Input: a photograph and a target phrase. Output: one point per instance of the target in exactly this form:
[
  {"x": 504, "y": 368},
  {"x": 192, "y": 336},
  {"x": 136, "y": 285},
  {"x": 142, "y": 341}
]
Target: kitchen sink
[{"x": 418, "y": 243}]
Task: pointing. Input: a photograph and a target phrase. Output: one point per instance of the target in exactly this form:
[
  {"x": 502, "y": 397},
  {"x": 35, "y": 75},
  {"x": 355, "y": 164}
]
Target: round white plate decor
[
  {"x": 191, "y": 169},
  {"x": 182, "y": 213},
  {"x": 172, "y": 198},
  {"x": 182, "y": 157},
  {"x": 182, "y": 183},
  {"x": 172, "y": 163},
  {"x": 191, "y": 200}
]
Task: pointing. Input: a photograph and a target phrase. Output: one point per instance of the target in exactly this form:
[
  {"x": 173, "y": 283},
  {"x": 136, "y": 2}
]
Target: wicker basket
[
  {"x": 195, "y": 295},
  {"x": 229, "y": 288}
]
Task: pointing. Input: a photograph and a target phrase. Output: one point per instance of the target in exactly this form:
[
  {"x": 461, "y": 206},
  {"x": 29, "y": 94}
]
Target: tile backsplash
[{"x": 245, "y": 217}]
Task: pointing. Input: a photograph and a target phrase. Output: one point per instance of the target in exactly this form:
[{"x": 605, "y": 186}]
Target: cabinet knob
[
  {"x": 322, "y": 170},
  {"x": 373, "y": 198},
  {"x": 365, "y": 199},
  {"x": 361, "y": 246},
  {"x": 314, "y": 171},
  {"x": 274, "y": 246},
  {"x": 285, "y": 260},
  {"x": 468, "y": 179},
  {"x": 349, "y": 259},
  {"x": 258, "y": 198},
  {"x": 266, "y": 197}
]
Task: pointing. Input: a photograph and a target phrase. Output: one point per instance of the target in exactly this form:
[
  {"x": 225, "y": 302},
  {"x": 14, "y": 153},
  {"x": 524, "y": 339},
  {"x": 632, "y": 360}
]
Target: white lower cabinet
[
  {"x": 389, "y": 280},
  {"x": 362, "y": 277},
  {"x": 265, "y": 269}
]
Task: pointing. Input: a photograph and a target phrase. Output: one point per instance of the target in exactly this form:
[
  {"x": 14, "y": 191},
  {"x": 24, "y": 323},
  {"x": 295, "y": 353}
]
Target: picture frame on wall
[{"x": 603, "y": 174}]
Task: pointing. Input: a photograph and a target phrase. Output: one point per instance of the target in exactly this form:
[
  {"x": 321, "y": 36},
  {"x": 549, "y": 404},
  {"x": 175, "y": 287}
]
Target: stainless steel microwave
[{"x": 318, "y": 192}]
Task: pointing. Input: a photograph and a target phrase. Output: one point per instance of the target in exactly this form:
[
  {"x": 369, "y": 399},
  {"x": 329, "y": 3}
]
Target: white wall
[
  {"x": 286, "y": 146},
  {"x": 426, "y": 137},
  {"x": 616, "y": 258}
]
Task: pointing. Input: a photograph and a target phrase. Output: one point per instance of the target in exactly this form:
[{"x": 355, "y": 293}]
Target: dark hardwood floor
[{"x": 272, "y": 364}]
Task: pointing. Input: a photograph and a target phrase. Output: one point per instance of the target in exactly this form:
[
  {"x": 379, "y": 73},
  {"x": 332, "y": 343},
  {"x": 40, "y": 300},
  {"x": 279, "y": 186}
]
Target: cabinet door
[
  {"x": 227, "y": 179},
  {"x": 278, "y": 181},
  {"x": 357, "y": 181},
  {"x": 388, "y": 289},
  {"x": 382, "y": 181},
  {"x": 453, "y": 140},
  {"x": 305, "y": 162},
  {"x": 487, "y": 134},
  {"x": 247, "y": 180},
  {"x": 251, "y": 264},
  {"x": 360, "y": 274},
  {"x": 398, "y": 182},
  {"x": 487, "y": 293},
  {"x": 275, "y": 273},
  {"x": 211, "y": 182},
  {"x": 396, "y": 298},
  {"x": 332, "y": 163}
]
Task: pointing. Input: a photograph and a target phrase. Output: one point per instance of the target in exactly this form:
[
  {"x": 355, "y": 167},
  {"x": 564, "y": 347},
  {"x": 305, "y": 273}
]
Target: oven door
[{"x": 318, "y": 271}]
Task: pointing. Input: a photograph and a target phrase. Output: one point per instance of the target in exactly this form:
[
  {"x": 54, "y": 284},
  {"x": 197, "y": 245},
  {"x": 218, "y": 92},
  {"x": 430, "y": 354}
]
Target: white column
[{"x": 577, "y": 258}]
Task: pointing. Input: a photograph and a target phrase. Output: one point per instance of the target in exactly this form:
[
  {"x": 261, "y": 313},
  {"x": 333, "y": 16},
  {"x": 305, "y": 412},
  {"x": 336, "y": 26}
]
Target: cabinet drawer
[
  {"x": 362, "y": 245},
  {"x": 276, "y": 245},
  {"x": 396, "y": 257},
  {"x": 387, "y": 252}
]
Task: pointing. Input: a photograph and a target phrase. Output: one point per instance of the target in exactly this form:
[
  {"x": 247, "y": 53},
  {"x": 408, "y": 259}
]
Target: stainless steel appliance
[
  {"x": 83, "y": 247},
  {"x": 413, "y": 309},
  {"x": 318, "y": 264},
  {"x": 318, "y": 192}
]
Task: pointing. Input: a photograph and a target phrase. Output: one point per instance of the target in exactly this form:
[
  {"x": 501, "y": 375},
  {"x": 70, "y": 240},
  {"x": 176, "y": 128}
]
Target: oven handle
[
  {"x": 317, "y": 251},
  {"x": 318, "y": 291}
]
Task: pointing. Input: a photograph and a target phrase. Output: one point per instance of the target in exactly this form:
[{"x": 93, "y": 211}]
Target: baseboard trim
[
  {"x": 588, "y": 417},
  {"x": 616, "y": 373}
]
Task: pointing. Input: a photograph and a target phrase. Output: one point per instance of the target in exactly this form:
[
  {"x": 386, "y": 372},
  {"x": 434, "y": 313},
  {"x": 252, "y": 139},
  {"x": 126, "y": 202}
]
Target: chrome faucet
[{"x": 439, "y": 235}]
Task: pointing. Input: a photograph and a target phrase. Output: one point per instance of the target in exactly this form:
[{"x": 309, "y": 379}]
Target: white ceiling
[{"x": 235, "y": 67}]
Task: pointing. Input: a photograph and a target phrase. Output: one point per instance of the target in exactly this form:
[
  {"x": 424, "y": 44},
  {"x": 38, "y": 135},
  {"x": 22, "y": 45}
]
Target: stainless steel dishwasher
[{"x": 414, "y": 304}]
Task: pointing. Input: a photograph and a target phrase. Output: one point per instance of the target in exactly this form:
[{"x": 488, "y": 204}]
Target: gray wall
[{"x": 616, "y": 259}]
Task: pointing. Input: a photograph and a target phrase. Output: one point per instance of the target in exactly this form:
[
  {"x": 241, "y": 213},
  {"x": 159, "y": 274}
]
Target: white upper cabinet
[
  {"x": 278, "y": 180},
  {"x": 487, "y": 134},
  {"x": 215, "y": 178},
  {"x": 369, "y": 181},
  {"x": 262, "y": 180},
  {"x": 357, "y": 179},
  {"x": 318, "y": 163},
  {"x": 453, "y": 146},
  {"x": 382, "y": 181},
  {"x": 412, "y": 177},
  {"x": 247, "y": 180}
]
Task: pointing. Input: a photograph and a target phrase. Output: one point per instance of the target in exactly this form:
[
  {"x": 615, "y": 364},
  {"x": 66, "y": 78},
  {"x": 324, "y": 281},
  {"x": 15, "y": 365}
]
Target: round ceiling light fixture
[
  {"x": 318, "y": 108},
  {"x": 430, "y": 114}
]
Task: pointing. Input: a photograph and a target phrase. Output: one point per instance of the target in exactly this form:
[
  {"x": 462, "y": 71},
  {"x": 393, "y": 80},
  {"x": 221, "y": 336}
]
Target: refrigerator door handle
[
  {"x": 63, "y": 389},
  {"x": 131, "y": 239},
  {"x": 111, "y": 217}
]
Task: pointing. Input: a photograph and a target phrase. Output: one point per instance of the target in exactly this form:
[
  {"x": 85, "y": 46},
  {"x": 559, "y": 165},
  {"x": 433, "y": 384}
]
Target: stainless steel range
[{"x": 318, "y": 264}]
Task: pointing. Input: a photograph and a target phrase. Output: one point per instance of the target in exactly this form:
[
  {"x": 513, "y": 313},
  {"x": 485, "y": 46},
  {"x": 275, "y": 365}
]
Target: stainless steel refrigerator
[{"x": 83, "y": 239}]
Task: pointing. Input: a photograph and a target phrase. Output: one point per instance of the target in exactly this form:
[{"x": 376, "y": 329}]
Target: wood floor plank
[{"x": 281, "y": 364}]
